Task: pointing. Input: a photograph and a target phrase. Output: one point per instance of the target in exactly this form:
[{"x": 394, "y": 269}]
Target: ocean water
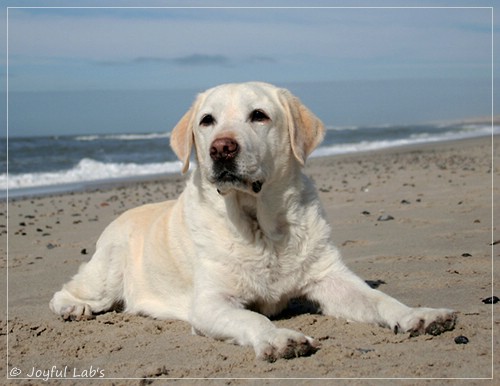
[{"x": 39, "y": 165}]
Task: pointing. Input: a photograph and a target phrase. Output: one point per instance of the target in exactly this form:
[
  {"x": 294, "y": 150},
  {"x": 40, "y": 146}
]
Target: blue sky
[{"x": 107, "y": 69}]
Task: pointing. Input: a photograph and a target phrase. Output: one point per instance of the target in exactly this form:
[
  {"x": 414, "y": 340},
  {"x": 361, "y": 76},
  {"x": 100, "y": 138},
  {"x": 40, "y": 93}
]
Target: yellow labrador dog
[{"x": 247, "y": 235}]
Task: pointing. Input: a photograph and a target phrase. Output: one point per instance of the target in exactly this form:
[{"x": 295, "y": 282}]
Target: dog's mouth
[
  {"x": 226, "y": 180},
  {"x": 229, "y": 177}
]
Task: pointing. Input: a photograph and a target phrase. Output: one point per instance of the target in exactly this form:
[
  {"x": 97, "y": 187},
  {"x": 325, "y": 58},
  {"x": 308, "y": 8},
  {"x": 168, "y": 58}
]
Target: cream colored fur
[{"x": 226, "y": 255}]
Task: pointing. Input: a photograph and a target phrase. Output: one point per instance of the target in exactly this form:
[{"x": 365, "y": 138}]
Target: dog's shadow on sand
[{"x": 299, "y": 306}]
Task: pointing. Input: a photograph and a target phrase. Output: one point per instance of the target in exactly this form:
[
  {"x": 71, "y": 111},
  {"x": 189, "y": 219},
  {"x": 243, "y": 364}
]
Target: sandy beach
[{"x": 435, "y": 251}]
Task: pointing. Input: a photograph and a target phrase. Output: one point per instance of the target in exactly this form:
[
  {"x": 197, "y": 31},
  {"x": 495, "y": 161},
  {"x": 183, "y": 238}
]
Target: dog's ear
[
  {"x": 305, "y": 129},
  {"x": 182, "y": 137}
]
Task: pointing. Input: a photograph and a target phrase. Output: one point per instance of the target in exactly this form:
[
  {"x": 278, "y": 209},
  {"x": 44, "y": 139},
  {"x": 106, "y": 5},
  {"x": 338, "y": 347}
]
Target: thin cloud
[
  {"x": 151, "y": 60},
  {"x": 188, "y": 60},
  {"x": 219, "y": 60},
  {"x": 192, "y": 60},
  {"x": 202, "y": 60}
]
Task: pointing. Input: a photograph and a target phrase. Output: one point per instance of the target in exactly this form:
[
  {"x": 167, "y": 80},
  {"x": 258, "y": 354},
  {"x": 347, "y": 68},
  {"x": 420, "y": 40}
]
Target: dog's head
[{"x": 246, "y": 134}]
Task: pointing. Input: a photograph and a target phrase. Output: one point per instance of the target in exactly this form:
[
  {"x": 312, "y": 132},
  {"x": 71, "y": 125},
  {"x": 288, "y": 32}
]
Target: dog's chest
[
  {"x": 259, "y": 256},
  {"x": 266, "y": 267}
]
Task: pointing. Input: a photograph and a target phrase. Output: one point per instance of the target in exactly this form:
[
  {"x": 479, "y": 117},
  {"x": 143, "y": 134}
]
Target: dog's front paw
[
  {"x": 427, "y": 321},
  {"x": 284, "y": 343},
  {"x": 77, "y": 312},
  {"x": 68, "y": 308}
]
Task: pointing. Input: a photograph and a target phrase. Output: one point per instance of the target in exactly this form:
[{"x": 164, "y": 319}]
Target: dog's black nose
[{"x": 224, "y": 149}]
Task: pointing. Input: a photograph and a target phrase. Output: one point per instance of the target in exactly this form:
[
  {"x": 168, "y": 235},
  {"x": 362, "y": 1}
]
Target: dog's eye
[
  {"x": 258, "y": 116},
  {"x": 207, "y": 120}
]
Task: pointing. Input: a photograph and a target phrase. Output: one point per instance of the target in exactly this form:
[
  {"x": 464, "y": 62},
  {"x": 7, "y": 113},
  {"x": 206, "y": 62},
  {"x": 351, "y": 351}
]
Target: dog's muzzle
[{"x": 224, "y": 153}]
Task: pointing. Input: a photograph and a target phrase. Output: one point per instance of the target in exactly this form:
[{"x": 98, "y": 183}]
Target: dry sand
[{"x": 435, "y": 252}]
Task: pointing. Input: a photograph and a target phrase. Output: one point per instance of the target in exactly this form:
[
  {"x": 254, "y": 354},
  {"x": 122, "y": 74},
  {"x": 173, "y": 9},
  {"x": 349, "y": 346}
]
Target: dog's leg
[
  {"x": 224, "y": 318},
  {"x": 342, "y": 294},
  {"x": 95, "y": 288}
]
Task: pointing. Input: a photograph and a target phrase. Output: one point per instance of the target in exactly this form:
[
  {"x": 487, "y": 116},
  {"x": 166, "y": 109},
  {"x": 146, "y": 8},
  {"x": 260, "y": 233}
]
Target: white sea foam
[
  {"x": 123, "y": 137},
  {"x": 85, "y": 171},
  {"x": 342, "y": 128},
  {"x": 469, "y": 132}
]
